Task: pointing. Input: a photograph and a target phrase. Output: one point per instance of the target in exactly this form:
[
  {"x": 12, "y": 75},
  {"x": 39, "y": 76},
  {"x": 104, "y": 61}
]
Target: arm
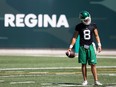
[
  {"x": 73, "y": 40},
  {"x": 98, "y": 40}
]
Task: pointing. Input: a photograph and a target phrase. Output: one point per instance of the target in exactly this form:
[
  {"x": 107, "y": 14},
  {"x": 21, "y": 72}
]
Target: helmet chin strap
[{"x": 88, "y": 22}]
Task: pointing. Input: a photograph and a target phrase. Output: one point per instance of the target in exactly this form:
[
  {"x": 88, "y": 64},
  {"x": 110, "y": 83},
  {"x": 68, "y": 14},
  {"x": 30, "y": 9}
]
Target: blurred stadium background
[
  {"x": 103, "y": 14},
  {"x": 33, "y": 57}
]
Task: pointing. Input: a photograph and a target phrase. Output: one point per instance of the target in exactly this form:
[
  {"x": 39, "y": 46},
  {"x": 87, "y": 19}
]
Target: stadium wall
[{"x": 103, "y": 13}]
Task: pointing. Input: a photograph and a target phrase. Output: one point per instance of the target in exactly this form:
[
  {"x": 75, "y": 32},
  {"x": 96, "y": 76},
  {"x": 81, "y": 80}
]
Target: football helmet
[{"x": 85, "y": 17}]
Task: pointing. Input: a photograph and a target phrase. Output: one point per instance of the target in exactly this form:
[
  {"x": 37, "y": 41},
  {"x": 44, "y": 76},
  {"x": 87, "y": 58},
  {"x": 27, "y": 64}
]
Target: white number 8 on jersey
[{"x": 87, "y": 34}]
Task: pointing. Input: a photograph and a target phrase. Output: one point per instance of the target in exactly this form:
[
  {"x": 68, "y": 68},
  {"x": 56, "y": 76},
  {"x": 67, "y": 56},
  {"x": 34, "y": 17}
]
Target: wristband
[
  {"x": 99, "y": 44},
  {"x": 71, "y": 46}
]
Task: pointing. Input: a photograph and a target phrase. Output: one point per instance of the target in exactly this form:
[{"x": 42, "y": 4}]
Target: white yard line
[
  {"x": 1, "y": 81},
  {"x": 13, "y": 76},
  {"x": 53, "y": 68},
  {"x": 24, "y": 82},
  {"x": 39, "y": 68}
]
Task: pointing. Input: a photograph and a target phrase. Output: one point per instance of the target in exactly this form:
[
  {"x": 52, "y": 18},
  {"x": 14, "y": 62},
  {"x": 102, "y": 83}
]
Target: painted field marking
[
  {"x": 25, "y": 82},
  {"x": 112, "y": 74},
  {"x": 44, "y": 68},
  {"x": 60, "y": 84},
  {"x": 13, "y": 76},
  {"x": 1, "y": 81},
  {"x": 15, "y": 73},
  {"x": 111, "y": 70}
]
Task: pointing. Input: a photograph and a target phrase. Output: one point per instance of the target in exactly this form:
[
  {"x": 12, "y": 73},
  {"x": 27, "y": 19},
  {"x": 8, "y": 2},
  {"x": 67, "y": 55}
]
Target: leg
[
  {"x": 94, "y": 72},
  {"x": 82, "y": 59},
  {"x": 84, "y": 72}
]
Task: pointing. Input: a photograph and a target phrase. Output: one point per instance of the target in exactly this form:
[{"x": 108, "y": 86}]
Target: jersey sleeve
[
  {"x": 95, "y": 26},
  {"x": 77, "y": 27}
]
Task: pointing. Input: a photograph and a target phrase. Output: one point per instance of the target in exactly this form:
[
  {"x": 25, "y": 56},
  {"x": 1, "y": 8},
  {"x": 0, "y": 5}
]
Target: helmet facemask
[{"x": 85, "y": 18}]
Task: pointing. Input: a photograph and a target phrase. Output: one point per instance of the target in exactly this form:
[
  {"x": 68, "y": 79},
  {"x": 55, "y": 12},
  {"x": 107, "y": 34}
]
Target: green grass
[
  {"x": 26, "y": 61},
  {"x": 30, "y": 74}
]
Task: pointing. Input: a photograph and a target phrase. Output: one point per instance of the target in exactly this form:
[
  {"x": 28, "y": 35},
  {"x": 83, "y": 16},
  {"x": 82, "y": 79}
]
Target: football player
[{"x": 87, "y": 54}]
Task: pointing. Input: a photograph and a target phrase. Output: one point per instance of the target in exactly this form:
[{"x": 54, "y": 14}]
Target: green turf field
[{"x": 33, "y": 71}]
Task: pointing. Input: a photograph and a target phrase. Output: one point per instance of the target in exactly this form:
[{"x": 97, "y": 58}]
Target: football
[{"x": 70, "y": 54}]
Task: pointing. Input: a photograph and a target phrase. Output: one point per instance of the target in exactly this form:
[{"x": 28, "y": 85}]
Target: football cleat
[
  {"x": 85, "y": 83},
  {"x": 97, "y": 83}
]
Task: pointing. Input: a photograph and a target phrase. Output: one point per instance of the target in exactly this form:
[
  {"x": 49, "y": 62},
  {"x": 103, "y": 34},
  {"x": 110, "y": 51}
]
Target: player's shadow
[
  {"x": 66, "y": 84},
  {"x": 74, "y": 85},
  {"x": 62, "y": 84}
]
